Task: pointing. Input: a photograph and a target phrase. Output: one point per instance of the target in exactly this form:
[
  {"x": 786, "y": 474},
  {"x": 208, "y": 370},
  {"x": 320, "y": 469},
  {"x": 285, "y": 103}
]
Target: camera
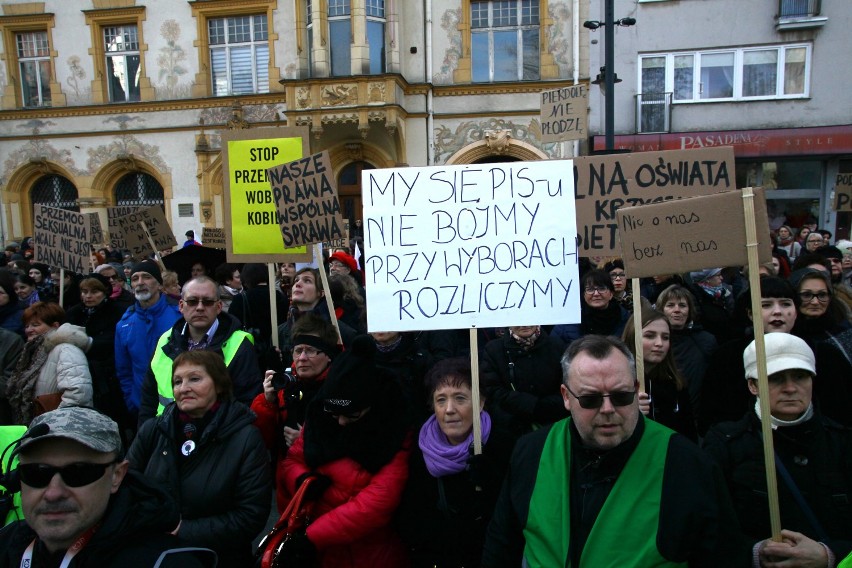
[{"x": 284, "y": 379}]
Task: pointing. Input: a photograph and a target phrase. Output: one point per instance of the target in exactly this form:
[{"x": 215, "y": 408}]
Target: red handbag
[{"x": 293, "y": 521}]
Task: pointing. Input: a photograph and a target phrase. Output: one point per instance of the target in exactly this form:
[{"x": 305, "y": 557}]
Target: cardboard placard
[
  {"x": 63, "y": 238},
  {"x": 477, "y": 245},
  {"x": 564, "y": 113},
  {"x": 213, "y": 237},
  {"x": 116, "y": 237},
  {"x": 252, "y": 231},
  {"x": 97, "y": 233},
  {"x": 151, "y": 221},
  {"x": 306, "y": 196},
  {"x": 843, "y": 193},
  {"x": 690, "y": 234},
  {"x": 604, "y": 184}
]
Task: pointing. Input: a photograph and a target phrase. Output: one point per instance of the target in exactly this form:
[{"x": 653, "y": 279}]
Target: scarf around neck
[
  {"x": 22, "y": 383},
  {"x": 443, "y": 458},
  {"x": 778, "y": 423},
  {"x": 526, "y": 343}
]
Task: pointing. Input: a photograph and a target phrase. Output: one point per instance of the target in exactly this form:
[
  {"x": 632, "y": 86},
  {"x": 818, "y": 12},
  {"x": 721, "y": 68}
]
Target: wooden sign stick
[
  {"x": 474, "y": 391},
  {"x": 328, "y": 302},
  {"x": 760, "y": 348},
  {"x": 62, "y": 285},
  {"x": 637, "y": 333},
  {"x": 153, "y": 246},
  {"x": 273, "y": 304}
]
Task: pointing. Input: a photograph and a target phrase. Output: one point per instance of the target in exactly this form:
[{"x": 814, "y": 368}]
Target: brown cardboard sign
[
  {"x": 97, "y": 233},
  {"x": 63, "y": 238},
  {"x": 605, "y": 184},
  {"x": 151, "y": 221},
  {"x": 306, "y": 195},
  {"x": 116, "y": 237},
  {"x": 252, "y": 231},
  {"x": 564, "y": 113},
  {"x": 213, "y": 237},
  {"x": 843, "y": 193},
  {"x": 690, "y": 234}
]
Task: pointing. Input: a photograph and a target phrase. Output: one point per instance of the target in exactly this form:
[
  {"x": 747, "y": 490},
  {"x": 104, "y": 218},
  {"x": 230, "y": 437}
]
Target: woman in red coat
[{"x": 356, "y": 445}]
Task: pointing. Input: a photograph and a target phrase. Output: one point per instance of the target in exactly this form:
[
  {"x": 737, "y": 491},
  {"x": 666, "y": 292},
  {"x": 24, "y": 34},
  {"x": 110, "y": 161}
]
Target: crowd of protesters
[{"x": 378, "y": 426}]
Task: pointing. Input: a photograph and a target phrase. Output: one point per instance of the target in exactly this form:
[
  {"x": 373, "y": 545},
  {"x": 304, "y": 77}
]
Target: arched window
[
  {"x": 55, "y": 191},
  {"x": 139, "y": 190}
]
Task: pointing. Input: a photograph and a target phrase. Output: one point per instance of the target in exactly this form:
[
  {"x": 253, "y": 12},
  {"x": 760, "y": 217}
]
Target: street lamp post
[{"x": 609, "y": 79}]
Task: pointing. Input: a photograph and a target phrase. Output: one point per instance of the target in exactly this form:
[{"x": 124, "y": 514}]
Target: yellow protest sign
[{"x": 252, "y": 232}]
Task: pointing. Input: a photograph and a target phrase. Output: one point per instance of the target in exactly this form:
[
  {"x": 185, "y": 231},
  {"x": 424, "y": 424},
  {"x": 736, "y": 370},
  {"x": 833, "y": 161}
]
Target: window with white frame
[
  {"x": 770, "y": 72},
  {"x": 340, "y": 34},
  {"x": 34, "y": 61},
  {"x": 504, "y": 40},
  {"x": 376, "y": 34},
  {"x": 239, "y": 54},
  {"x": 121, "y": 46}
]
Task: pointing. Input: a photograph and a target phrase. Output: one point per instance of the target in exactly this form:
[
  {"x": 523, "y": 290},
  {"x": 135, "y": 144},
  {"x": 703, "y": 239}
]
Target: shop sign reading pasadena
[{"x": 470, "y": 246}]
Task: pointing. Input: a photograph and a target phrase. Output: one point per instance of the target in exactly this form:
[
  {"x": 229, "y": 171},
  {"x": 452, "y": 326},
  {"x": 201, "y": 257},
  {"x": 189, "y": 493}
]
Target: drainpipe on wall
[
  {"x": 430, "y": 112},
  {"x": 575, "y": 49}
]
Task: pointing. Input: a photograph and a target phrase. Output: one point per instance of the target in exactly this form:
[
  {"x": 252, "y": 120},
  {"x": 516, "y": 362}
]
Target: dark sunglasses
[
  {"x": 350, "y": 415},
  {"x": 206, "y": 302},
  {"x": 39, "y": 475},
  {"x": 618, "y": 398}
]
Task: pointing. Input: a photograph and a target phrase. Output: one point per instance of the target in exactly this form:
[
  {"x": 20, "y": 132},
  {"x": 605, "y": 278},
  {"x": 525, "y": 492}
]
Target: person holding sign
[
  {"x": 813, "y": 456},
  {"x": 607, "y": 487},
  {"x": 451, "y": 492},
  {"x": 666, "y": 395}
]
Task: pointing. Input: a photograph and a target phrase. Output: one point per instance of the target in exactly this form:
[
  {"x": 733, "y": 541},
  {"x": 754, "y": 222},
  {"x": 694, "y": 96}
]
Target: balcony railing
[
  {"x": 653, "y": 112},
  {"x": 798, "y": 8}
]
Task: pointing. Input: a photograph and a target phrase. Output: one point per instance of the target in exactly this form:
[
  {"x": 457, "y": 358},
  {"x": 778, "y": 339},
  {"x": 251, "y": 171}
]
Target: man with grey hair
[
  {"x": 83, "y": 508},
  {"x": 608, "y": 487},
  {"x": 204, "y": 325}
]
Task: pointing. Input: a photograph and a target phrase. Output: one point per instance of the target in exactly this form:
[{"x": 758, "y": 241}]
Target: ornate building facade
[{"x": 121, "y": 102}]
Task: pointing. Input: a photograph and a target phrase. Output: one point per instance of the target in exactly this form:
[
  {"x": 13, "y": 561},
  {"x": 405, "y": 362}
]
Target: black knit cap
[
  {"x": 354, "y": 381},
  {"x": 150, "y": 267}
]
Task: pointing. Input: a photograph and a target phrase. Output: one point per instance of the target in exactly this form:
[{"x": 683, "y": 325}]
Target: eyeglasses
[
  {"x": 618, "y": 398},
  {"x": 592, "y": 290},
  {"x": 617, "y": 275},
  {"x": 115, "y": 278},
  {"x": 39, "y": 475},
  {"x": 309, "y": 352},
  {"x": 821, "y": 297},
  {"x": 193, "y": 302}
]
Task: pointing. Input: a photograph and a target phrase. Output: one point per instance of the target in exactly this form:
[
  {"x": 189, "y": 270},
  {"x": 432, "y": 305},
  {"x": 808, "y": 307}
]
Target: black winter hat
[
  {"x": 150, "y": 267},
  {"x": 354, "y": 381}
]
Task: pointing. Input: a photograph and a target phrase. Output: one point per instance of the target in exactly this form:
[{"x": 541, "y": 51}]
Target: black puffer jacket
[
  {"x": 818, "y": 455},
  {"x": 223, "y": 487},
  {"x": 522, "y": 387},
  {"x": 409, "y": 362},
  {"x": 693, "y": 349},
  {"x": 135, "y": 532}
]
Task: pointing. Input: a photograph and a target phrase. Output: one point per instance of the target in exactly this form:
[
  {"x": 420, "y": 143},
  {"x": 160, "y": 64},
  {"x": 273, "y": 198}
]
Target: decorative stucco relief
[
  {"x": 450, "y": 24},
  {"x": 559, "y": 37},
  {"x": 448, "y": 142},
  {"x": 37, "y": 149},
  {"x": 79, "y": 92},
  {"x": 125, "y": 145},
  {"x": 220, "y": 117},
  {"x": 170, "y": 66}
]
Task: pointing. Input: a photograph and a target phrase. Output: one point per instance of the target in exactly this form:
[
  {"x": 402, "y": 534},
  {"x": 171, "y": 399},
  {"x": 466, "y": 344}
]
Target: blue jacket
[{"x": 136, "y": 336}]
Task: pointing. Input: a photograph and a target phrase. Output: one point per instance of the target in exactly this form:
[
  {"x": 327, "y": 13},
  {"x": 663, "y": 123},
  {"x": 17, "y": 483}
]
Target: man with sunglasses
[
  {"x": 607, "y": 487},
  {"x": 204, "y": 325},
  {"x": 82, "y": 506}
]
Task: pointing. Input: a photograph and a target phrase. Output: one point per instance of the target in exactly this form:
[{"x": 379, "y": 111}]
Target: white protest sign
[{"x": 480, "y": 245}]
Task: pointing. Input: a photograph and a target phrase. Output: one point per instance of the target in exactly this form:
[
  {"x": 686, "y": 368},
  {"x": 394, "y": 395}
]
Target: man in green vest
[
  {"x": 608, "y": 487},
  {"x": 203, "y": 326}
]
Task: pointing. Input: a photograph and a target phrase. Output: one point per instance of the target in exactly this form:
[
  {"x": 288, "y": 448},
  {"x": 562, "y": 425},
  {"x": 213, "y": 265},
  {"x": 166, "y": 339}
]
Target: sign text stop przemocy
[
  {"x": 481, "y": 245},
  {"x": 63, "y": 238},
  {"x": 691, "y": 234},
  {"x": 604, "y": 184}
]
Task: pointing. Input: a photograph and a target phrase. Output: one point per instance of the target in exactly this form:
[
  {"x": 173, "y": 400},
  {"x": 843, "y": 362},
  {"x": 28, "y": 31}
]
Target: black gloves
[{"x": 317, "y": 487}]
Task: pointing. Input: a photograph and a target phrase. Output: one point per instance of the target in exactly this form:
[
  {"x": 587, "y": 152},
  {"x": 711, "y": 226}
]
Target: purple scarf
[{"x": 441, "y": 457}]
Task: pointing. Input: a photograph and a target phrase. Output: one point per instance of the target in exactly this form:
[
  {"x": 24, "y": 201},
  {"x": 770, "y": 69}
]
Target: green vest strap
[
  {"x": 625, "y": 533},
  {"x": 161, "y": 364}
]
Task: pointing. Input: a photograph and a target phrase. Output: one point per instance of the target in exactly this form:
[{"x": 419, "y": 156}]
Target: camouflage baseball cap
[{"x": 83, "y": 425}]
